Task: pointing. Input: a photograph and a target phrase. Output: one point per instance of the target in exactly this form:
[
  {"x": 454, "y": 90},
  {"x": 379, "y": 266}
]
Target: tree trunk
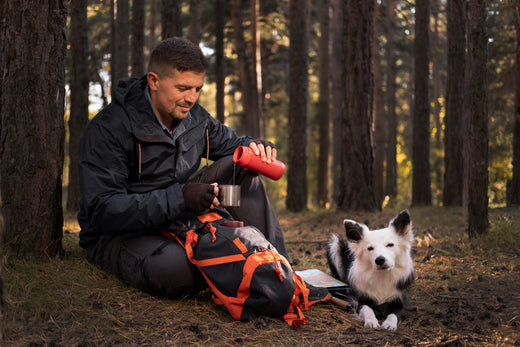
[
  {"x": 437, "y": 143},
  {"x": 194, "y": 29},
  {"x": 421, "y": 190},
  {"x": 391, "y": 90},
  {"x": 138, "y": 38},
  {"x": 1, "y": 246},
  {"x": 337, "y": 92},
  {"x": 379, "y": 110},
  {"x": 514, "y": 189},
  {"x": 151, "y": 26},
  {"x": 120, "y": 47},
  {"x": 478, "y": 222},
  {"x": 32, "y": 127},
  {"x": 257, "y": 119},
  {"x": 298, "y": 97},
  {"x": 79, "y": 88},
  {"x": 324, "y": 107},
  {"x": 453, "y": 135},
  {"x": 357, "y": 187},
  {"x": 220, "y": 66},
  {"x": 171, "y": 20},
  {"x": 246, "y": 84}
]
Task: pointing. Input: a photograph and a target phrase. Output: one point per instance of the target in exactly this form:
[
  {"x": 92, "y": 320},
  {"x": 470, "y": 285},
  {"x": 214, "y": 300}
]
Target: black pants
[{"x": 144, "y": 260}]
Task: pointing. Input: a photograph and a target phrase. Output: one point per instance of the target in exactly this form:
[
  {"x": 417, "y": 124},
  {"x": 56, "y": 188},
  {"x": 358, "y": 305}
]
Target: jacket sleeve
[{"x": 104, "y": 169}]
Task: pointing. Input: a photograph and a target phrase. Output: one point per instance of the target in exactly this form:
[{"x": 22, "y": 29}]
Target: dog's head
[{"x": 381, "y": 249}]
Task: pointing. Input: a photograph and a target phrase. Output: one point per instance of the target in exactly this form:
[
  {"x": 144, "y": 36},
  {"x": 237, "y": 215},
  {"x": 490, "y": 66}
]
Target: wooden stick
[{"x": 340, "y": 302}]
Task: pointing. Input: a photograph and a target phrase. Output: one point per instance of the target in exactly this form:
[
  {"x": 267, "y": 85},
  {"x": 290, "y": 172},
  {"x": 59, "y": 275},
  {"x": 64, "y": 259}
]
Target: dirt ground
[{"x": 466, "y": 293}]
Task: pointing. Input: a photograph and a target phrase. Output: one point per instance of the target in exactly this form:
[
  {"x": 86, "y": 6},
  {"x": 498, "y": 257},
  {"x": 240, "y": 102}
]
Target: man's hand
[
  {"x": 199, "y": 197},
  {"x": 265, "y": 149}
]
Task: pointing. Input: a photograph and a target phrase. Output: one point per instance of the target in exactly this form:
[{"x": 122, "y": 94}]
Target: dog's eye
[
  {"x": 370, "y": 248},
  {"x": 390, "y": 245}
]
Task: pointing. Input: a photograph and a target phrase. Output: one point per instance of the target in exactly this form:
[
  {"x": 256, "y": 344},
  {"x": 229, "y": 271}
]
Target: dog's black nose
[{"x": 380, "y": 260}]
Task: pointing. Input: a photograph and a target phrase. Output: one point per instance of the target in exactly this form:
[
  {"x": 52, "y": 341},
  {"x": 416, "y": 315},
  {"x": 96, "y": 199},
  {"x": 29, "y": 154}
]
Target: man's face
[{"x": 174, "y": 95}]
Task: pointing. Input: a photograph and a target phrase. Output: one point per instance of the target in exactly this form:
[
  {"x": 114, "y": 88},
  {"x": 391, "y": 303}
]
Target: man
[{"x": 138, "y": 163}]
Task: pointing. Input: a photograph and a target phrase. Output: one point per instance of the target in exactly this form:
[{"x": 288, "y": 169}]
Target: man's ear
[{"x": 153, "y": 79}]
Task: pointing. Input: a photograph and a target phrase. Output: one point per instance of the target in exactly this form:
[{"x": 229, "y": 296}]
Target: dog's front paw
[
  {"x": 390, "y": 322},
  {"x": 371, "y": 324},
  {"x": 367, "y": 315}
]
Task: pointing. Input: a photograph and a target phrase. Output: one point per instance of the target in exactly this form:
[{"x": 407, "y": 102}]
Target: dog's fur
[{"x": 378, "y": 267}]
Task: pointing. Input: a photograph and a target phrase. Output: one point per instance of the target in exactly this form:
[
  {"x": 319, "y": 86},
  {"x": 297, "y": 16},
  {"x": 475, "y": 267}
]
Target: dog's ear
[
  {"x": 353, "y": 230},
  {"x": 402, "y": 223}
]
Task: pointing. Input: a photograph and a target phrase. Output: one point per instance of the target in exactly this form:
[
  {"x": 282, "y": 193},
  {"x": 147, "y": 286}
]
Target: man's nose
[{"x": 192, "y": 96}]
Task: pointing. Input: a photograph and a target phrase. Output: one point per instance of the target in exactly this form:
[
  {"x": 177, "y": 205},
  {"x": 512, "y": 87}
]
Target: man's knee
[{"x": 157, "y": 265}]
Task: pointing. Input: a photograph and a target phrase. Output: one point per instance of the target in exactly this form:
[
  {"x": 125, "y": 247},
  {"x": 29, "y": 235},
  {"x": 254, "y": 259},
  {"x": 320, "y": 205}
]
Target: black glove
[
  {"x": 265, "y": 143},
  {"x": 198, "y": 196}
]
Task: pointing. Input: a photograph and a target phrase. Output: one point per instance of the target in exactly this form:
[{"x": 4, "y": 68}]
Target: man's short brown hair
[{"x": 177, "y": 53}]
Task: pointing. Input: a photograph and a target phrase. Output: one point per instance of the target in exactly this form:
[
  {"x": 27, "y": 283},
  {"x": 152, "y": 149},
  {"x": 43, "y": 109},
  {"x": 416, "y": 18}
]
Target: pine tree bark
[
  {"x": 137, "y": 43},
  {"x": 32, "y": 127},
  {"x": 194, "y": 29},
  {"x": 421, "y": 181},
  {"x": 298, "y": 96},
  {"x": 453, "y": 134},
  {"x": 152, "y": 25},
  {"x": 391, "y": 102},
  {"x": 379, "y": 110},
  {"x": 324, "y": 106},
  {"x": 478, "y": 133},
  {"x": 171, "y": 20},
  {"x": 220, "y": 66},
  {"x": 357, "y": 187},
  {"x": 437, "y": 142},
  {"x": 337, "y": 93},
  {"x": 79, "y": 88},
  {"x": 257, "y": 119},
  {"x": 120, "y": 41},
  {"x": 246, "y": 81},
  {"x": 514, "y": 187}
]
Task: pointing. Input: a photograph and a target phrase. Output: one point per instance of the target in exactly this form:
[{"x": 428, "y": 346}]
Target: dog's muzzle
[{"x": 381, "y": 263}]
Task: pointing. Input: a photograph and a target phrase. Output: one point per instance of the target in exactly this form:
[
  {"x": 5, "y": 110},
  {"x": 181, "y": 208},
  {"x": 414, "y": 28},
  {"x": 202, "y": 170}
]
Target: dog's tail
[{"x": 336, "y": 251}]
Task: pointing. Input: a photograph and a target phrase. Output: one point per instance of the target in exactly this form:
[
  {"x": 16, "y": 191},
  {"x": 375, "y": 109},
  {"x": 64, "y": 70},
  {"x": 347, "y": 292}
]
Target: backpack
[{"x": 243, "y": 269}]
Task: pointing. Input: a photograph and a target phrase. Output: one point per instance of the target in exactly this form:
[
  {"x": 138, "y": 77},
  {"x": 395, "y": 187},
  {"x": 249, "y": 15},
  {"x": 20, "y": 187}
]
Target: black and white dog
[{"x": 378, "y": 267}]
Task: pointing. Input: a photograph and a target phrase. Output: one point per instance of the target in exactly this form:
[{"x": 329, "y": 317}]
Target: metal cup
[{"x": 229, "y": 195}]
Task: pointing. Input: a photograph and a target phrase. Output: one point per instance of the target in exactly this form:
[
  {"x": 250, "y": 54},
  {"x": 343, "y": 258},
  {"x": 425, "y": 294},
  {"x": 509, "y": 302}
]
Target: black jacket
[{"x": 132, "y": 172}]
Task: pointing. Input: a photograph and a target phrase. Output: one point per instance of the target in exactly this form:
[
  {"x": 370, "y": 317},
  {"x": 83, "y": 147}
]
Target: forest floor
[{"x": 466, "y": 293}]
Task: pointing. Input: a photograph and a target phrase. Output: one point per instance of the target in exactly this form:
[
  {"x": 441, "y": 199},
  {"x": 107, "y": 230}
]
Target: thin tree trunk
[
  {"x": 171, "y": 20},
  {"x": 257, "y": 123},
  {"x": 324, "y": 106},
  {"x": 194, "y": 29},
  {"x": 421, "y": 185},
  {"x": 391, "y": 89},
  {"x": 120, "y": 43},
  {"x": 243, "y": 68},
  {"x": 79, "y": 88},
  {"x": 514, "y": 188},
  {"x": 337, "y": 93},
  {"x": 32, "y": 127},
  {"x": 138, "y": 37},
  {"x": 3, "y": 13},
  {"x": 437, "y": 143},
  {"x": 357, "y": 187},
  {"x": 220, "y": 66},
  {"x": 298, "y": 97},
  {"x": 379, "y": 110},
  {"x": 152, "y": 24},
  {"x": 478, "y": 222},
  {"x": 453, "y": 138}
]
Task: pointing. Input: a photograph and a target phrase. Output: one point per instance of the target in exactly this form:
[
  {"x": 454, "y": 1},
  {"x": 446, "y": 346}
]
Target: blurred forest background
[{"x": 370, "y": 103}]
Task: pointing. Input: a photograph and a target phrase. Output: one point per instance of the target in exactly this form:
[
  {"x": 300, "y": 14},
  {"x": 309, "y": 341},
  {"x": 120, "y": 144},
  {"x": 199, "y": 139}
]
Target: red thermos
[{"x": 245, "y": 157}]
